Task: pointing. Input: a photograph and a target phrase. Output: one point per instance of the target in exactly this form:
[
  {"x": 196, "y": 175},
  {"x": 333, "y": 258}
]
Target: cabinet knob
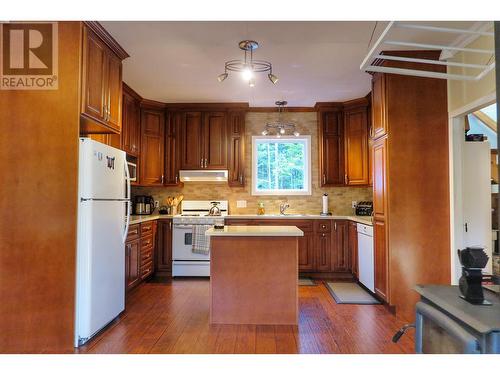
[{"x": 322, "y": 235}]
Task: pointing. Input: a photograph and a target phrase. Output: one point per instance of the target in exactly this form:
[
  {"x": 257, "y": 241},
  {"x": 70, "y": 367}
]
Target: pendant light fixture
[
  {"x": 248, "y": 67},
  {"x": 280, "y": 127}
]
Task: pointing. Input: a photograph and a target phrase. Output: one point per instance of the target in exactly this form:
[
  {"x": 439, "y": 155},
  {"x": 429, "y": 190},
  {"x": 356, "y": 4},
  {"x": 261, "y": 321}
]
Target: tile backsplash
[{"x": 340, "y": 198}]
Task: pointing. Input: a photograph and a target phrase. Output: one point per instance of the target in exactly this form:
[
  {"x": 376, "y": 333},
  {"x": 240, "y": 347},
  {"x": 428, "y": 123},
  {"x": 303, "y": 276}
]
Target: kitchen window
[{"x": 281, "y": 166}]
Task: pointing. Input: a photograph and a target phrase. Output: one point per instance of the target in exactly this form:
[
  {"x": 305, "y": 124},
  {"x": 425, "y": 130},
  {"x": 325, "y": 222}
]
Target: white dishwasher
[{"x": 366, "y": 262}]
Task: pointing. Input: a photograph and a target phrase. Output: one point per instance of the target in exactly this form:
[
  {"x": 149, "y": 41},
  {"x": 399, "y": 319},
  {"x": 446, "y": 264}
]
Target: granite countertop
[
  {"x": 136, "y": 219},
  {"x": 367, "y": 220},
  {"x": 255, "y": 231}
]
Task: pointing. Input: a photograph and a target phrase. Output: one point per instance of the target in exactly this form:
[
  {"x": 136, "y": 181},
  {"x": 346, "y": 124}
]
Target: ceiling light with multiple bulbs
[
  {"x": 248, "y": 67},
  {"x": 280, "y": 127}
]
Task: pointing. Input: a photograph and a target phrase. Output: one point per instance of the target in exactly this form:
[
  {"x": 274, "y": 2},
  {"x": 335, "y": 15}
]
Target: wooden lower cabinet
[
  {"x": 381, "y": 259},
  {"x": 132, "y": 264},
  {"x": 324, "y": 248},
  {"x": 163, "y": 256},
  {"x": 353, "y": 247},
  {"x": 139, "y": 253},
  {"x": 341, "y": 259}
]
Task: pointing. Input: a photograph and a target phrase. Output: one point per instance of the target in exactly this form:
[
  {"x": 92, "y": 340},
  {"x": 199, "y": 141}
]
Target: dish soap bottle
[{"x": 261, "y": 210}]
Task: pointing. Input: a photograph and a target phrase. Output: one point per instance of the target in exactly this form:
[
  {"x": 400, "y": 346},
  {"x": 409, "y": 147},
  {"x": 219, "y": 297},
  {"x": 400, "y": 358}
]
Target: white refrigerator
[{"x": 103, "y": 219}]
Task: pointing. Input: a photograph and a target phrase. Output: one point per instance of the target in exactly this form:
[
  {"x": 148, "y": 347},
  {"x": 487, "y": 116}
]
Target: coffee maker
[
  {"x": 144, "y": 205},
  {"x": 473, "y": 260}
]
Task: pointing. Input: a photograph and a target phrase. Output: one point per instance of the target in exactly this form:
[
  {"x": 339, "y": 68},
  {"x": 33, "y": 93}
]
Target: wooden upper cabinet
[
  {"x": 172, "y": 148},
  {"x": 331, "y": 131},
  {"x": 379, "y": 155},
  {"x": 152, "y": 147},
  {"x": 356, "y": 145},
  {"x": 94, "y": 76},
  {"x": 214, "y": 140},
  {"x": 378, "y": 106},
  {"x": 114, "y": 91},
  {"x": 204, "y": 140},
  {"x": 236, "y": 148},
  {"x": 131, "y": 124},
  {"x": 191, "y": 141},
  {"x": 101, "y": 81}
]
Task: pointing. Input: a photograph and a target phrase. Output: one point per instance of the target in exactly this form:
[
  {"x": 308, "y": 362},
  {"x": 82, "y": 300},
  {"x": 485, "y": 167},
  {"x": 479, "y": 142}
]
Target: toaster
[{"x": 364, "y": 208}]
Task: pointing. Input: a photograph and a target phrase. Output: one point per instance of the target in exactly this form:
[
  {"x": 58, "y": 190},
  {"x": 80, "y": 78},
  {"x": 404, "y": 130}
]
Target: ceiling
[{"x": 179, "y": 62}]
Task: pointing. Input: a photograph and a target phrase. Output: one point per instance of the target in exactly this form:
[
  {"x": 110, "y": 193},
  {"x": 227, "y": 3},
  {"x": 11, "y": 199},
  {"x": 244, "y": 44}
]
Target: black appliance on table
[
  {"x": 364, "y": 208},
  {"x": 144, "y": 205}
]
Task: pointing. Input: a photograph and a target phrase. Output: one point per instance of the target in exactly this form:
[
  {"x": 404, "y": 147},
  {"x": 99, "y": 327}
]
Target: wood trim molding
[
  {"x": 131, "y": 92},
  {"x": 287, "y": 109},
  {"x": 152, "y": 104},
  {"x": 206, "y": 106},
  {"x": 106, "y": 37},
  {"x": 328, "y": 106},
  {"x": 360, "y": 102}
]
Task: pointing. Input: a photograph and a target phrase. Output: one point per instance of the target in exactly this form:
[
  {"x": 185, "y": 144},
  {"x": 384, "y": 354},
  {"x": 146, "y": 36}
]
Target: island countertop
[{"x": 255, "y": 231}]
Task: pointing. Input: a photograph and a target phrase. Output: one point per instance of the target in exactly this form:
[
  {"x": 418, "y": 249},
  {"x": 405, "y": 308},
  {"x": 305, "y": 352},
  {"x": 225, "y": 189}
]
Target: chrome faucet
[{"x": 283, "y": 207}]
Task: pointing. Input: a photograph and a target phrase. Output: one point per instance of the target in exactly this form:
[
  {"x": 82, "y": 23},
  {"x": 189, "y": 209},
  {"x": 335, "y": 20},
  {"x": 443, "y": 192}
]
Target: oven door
[
  {"x": 183, "y": 244},
  {"x": 437, "y": 333}
]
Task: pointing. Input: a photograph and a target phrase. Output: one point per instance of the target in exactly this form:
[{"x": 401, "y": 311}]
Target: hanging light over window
[
  {"x": 280, "y": 127},
  {"x": 248, "y": 67}
]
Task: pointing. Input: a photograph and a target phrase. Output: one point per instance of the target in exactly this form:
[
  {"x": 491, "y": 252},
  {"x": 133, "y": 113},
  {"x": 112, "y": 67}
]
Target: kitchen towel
[{"x": 201, "y": 243}]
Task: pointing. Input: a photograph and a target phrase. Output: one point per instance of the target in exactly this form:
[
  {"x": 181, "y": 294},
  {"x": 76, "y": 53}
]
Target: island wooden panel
[{"x": 253, "y": 280}]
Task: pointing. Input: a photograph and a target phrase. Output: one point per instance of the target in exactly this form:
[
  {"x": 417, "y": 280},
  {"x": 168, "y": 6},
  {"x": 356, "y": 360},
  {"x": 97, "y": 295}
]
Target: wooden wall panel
[
  {"x": 418, "y": 177},
  {"x": 39, "y": 164}
]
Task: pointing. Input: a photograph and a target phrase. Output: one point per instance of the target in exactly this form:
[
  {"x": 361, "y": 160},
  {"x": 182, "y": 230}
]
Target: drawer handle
[{"x": 323, "y": 226}]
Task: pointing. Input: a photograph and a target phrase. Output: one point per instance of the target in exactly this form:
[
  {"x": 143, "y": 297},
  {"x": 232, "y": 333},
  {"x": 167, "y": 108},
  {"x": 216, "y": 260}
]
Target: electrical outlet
[
  {"x": 354, "y": 204},
  {"x": 241, "y": 204},
  {"x": 157, "y": 203}
]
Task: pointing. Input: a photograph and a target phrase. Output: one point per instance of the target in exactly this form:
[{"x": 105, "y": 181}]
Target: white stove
[{"x": 185, "y": 262}]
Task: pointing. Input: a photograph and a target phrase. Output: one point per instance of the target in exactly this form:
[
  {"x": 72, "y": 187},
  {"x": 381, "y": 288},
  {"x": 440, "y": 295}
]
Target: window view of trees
[{"x": 281, "y": 164}]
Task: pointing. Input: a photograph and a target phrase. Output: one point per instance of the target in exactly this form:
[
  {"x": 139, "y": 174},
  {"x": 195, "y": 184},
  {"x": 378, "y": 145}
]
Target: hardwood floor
[{"x": 174, "y": 318}]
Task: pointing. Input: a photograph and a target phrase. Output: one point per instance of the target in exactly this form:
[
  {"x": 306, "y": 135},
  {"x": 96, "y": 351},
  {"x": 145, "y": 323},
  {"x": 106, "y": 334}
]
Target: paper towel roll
[{"x": 325, "y": 204}]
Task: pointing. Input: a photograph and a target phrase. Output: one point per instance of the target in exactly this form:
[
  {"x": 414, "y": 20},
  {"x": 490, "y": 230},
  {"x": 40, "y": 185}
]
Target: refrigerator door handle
[{"x": 128, "y": 203}]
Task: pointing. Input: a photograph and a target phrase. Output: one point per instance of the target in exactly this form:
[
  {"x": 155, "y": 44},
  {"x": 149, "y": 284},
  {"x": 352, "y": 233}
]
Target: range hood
[{"x": 203, "y": 175}]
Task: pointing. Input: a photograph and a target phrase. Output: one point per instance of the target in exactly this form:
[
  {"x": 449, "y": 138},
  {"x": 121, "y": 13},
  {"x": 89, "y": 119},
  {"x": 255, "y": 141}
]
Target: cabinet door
[
  {"x": 94, "y": 76},
  {"x": 214, "y": 140},
  {"x": 379, "y": 177},
  {"x": 132, "y": 263},
  {"x": 131, "y": 125},
  {"x": 381, "y": 259},
  {"x": 236, "y": 151},
  {"x": 191, "y": 141},
  {"x": 323, "y": 252},
  {"x": 163, "y": 251},
  {"x": 172, "y": 148},
  {"x": 353, "y": 247},
  {"x": 340, "y": 250},
  {"x": 152, "y": 147},
  {"x": 306, "y": 252},
  {"x": 378, "y": 106},
  {"x": 356, "y": 146},
  {"x": 114, "y": 91},
  {"x": 332, "y": 149}
]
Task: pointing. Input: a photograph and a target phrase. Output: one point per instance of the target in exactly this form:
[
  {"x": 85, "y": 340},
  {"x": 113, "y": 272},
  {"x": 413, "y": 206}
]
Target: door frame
[{"x": 455, "y": 119}]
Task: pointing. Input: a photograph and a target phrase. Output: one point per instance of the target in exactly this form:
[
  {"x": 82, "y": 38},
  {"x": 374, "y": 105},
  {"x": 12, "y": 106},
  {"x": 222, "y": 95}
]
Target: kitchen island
[{"x": 254, "y": 274}]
